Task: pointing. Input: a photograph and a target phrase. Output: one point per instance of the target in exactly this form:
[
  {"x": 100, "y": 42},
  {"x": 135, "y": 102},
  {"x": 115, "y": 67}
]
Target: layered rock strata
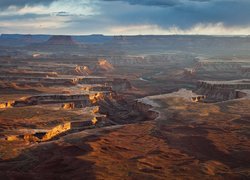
[{"x": 222, "y": 90}]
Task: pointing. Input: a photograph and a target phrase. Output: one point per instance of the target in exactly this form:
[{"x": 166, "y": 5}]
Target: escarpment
[
  {"x": 217, "y": 65},
  {"x": 117, "y": 84},
  {"x": 107, "y": 109},
  {"x": 146, "y": 110},
  {"x": 97, "y": 88},
  {"x": 27, "y": 73},
  {"x": 223, "y": 90},
  {"x": 34, "y": 81},
  {"x": 245, "y": 71},
  {"x": 53, "y": 132},
  {"x": 220, "y": 69},
  {"x": 84, "y": 99},
  {"x": 121, "y": 111}
]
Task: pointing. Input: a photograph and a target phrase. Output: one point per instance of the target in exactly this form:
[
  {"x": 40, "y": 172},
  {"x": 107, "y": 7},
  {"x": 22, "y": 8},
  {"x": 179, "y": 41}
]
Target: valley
[{"x": 121, "y": 111}]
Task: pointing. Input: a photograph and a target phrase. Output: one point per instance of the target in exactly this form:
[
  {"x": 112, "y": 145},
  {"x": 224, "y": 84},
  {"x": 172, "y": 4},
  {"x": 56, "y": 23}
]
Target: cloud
[
  {"x": 164, "y": 3},
  {"x": 126, "y": 16},
  {"x": 160, "y": 3},
  {"x": 22, "y": 3},
  {"x": 198, "y": 29},
  {"x": 62, "y": 13},
  {"x": 183, "y": 15}
]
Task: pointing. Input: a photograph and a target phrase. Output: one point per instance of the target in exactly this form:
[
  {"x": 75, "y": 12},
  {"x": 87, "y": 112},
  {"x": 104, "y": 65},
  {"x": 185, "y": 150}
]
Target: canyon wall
[{"x": 222, "y": 90}]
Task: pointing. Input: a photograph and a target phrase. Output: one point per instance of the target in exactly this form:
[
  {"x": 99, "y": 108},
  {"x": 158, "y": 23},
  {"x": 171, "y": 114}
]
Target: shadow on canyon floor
[{"x": 51, "y": 160}]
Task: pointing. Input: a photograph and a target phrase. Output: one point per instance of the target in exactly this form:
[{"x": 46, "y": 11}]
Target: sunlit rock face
[
  {"x": 103, "y": 65},
  {"x": 96, "y": 97},
  {"x": 8, "y": 104},
  {"x": 68, "y": 106},
  {"x": 198, "y": 98},
  {"x": 82, "y": 70},
  {"x": 56, "y": 130},
  {"x": 2, "y": 105}
]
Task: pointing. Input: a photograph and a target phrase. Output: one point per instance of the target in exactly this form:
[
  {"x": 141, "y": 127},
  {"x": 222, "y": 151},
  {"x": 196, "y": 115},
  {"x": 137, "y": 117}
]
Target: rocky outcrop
[
  {"x": 120, "y": 84},
  {"x": 222, "y": 90},
  {"x": 148, "y": 60},
  {"x": 198, "y": 98},
  {"x": 61, "y": 40},
  {"x": 245, "y": 71},
  {"x": 70, "y": 101},
  {"x": 68, "y": 106},
  {"x": 146, "y": 110},
  {"x": 2, "y": 105},
  {"x": 56, "y": 131},
  {"x": 207, "y": 65},
  {"x": 95, "y": 110},
  {"x": 93, "y": 80},
  {"x": 129, "y": 60},
  {"x": 97, "y": 88},
  {"x": 55, "y": 98},
  {"x": 8, "y": 104},
  {"x": 26, "y": 73},
  {"x": 82, "y": 70},
  {"x": 103, "y": 66},
  {"x": 239, "y": 67},
  {"x": 117, "y": 84},
  {"x": 45, "y": 81},
  {"x": 41, "y": 136}
]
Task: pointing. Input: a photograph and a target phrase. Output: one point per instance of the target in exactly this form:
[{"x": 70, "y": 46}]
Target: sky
[{"x": 125, "y": 17}]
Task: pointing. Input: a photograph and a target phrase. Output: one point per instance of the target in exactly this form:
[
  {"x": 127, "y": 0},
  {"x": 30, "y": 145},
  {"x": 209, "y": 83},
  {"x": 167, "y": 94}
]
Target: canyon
[{"x": 124, "y": 107}]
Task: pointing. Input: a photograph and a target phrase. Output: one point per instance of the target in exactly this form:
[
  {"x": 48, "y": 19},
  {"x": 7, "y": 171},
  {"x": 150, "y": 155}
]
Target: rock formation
[
  {"x": 120, "y": 84},
  {"x": 82, "y": 70},
  {"x": 222, "y": 90},
  {"x": 8, "y": 104},
  {"x": 68, "y": 106},
  {"x": 61, "y": 40},
  {"x": 103, "y": 66},
  {"x": 97, "y": 88},
  {"x": 198, "y": 98},
  {"x": 245, "y": 71}
]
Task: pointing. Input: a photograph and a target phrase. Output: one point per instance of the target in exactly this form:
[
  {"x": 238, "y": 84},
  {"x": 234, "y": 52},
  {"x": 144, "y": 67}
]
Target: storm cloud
[
  {"x": 21, "y": 3},
  {"x": 149, "y": 2},
  {"x": 125, "y": 16}
]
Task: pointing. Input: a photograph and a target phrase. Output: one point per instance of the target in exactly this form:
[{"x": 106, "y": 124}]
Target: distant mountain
[
  {"x": 19, "y": 40},
  {"x": 141, "y": 44},
  {"x": 93, "y": 39},
  {"x": 61, "y": 40}
]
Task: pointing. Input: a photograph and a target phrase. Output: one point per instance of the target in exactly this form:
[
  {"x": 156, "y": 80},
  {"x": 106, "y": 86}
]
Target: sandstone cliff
[{"x": 222, "y": 90}]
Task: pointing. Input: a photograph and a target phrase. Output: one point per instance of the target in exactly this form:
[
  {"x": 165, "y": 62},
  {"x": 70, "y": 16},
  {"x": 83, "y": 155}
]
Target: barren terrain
[{"x": 124, "y": 113}]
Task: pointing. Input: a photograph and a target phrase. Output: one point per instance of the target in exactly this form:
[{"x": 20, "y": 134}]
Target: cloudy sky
[{"x": 120, "y": 17}]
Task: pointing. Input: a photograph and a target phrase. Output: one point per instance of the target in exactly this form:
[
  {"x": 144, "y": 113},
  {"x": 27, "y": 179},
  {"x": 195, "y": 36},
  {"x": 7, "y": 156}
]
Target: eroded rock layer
[{"x": 223, "y": 90}]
